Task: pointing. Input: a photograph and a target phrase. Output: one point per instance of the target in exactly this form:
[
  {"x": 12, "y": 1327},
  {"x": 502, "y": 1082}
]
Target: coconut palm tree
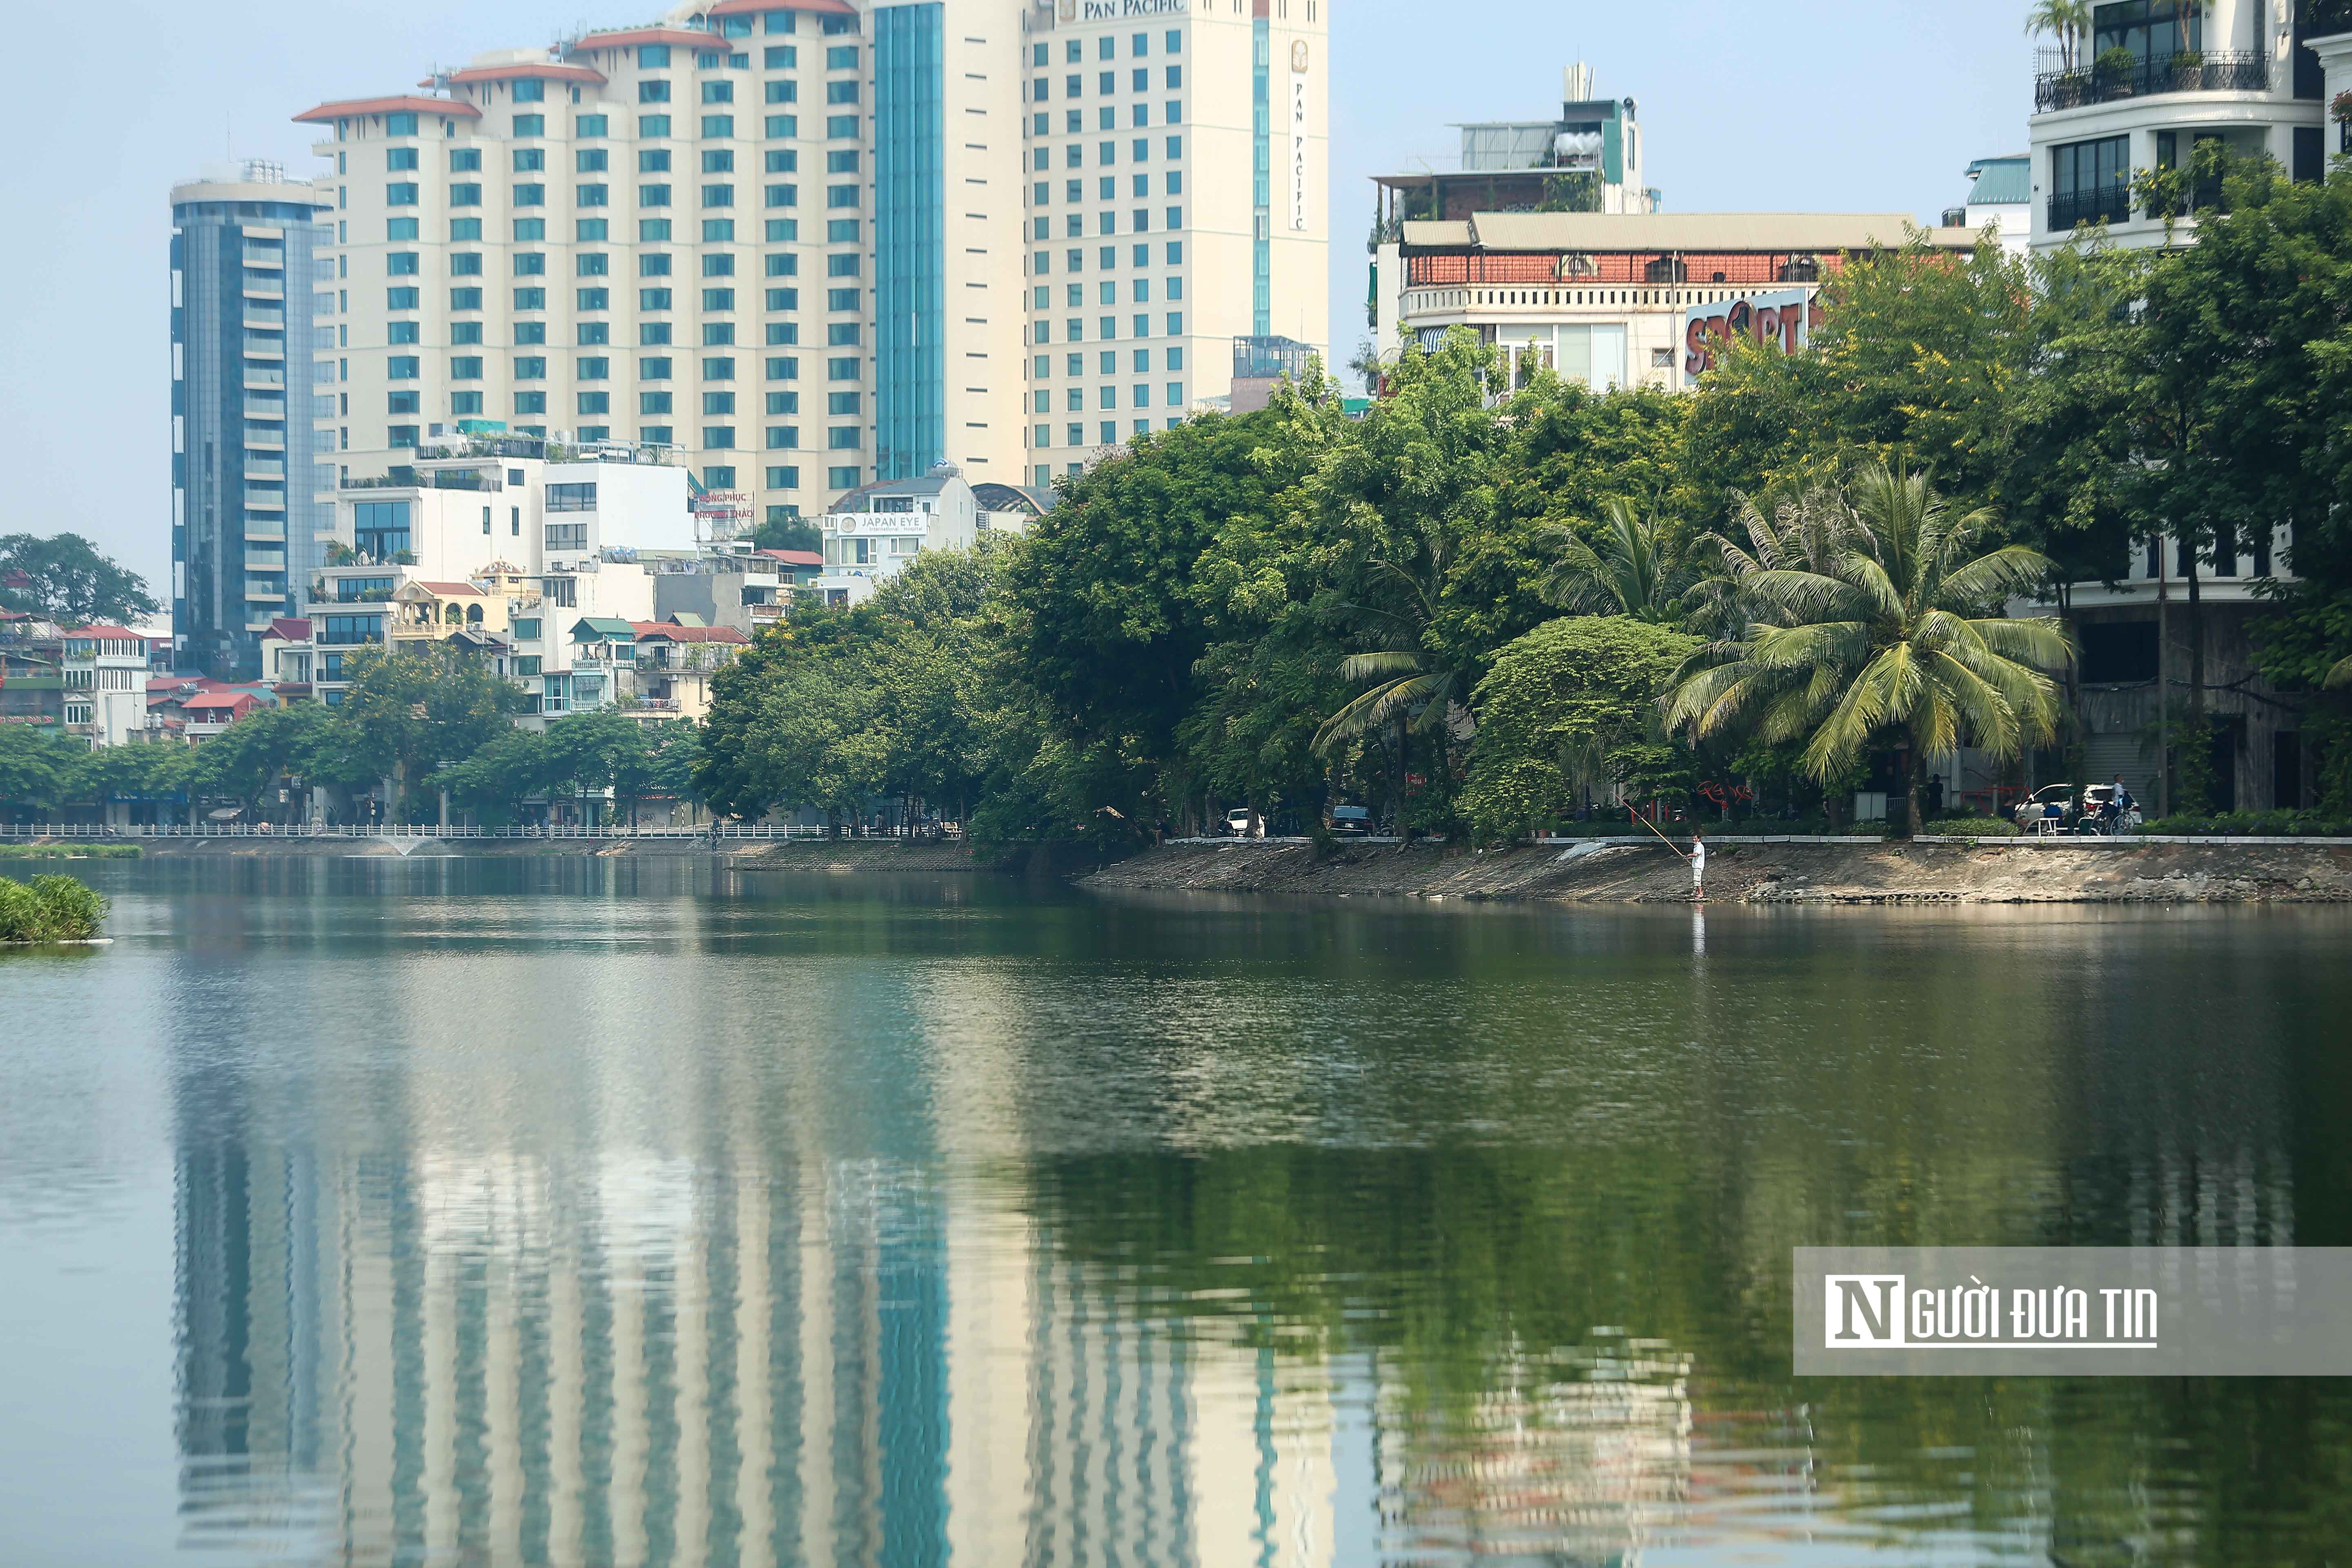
[
  {"x": 1894, "y": 625},
  {"x": 2065, "y": 20},
  {"x": 1628, "y": 570}
]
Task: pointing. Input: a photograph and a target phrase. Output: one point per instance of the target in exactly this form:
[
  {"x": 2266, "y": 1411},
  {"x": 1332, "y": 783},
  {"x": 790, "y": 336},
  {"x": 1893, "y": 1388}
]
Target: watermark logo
[{"x": 2136, "y": 1311}]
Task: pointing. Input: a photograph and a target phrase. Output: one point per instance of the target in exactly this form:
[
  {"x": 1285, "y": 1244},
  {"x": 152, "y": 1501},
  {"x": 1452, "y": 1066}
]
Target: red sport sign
[{"x": 1787, "y": 316}]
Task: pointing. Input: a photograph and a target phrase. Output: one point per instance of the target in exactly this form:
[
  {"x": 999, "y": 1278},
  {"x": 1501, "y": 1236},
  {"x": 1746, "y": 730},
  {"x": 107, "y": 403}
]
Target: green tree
[
  {"x": 37, "y": 768},
  {"x": 1894, "y": 635},
  {"x": 2068, "y": 21},
  {"x": 788, "y": 534},
  {"x": 405, "y": 713},
  {"x": 589, "y": 753},
  {"x": 492, "y": 782},
  {"x": 1565, "y": 708},
  {"x": 243, "y": 761},
  {"x": 1629, "y": 569},
  {"x": 63, "y": 578}
]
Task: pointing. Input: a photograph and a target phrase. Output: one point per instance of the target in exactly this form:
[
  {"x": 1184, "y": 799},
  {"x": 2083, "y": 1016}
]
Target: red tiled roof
[
  {"x": 290, "y": 628},
  {"x": 105, "y": 631},
  {"x": 795, "y": 557},
  {"x": 746, "y": 7},
  {"x": 447, "y": 589},
  {"x": 671, "y": 633},
  {"x": 629, "y": 37},
  {"x": 352, "y": 107},
  {"x": 232, "y": 700},
  {"x": 539, "y": 70}
]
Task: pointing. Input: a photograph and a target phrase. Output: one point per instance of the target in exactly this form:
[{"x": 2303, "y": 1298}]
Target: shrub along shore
[{"x": 50, "y": 909}]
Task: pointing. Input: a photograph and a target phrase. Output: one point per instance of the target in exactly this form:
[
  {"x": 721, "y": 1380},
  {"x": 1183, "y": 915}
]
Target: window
[
  {"x": 531, "y": 402},
  {"x": 654, "y": 368},
  {"x": 719, "y": 438},
  {"x": 529, "y": 195},
  {"x": 466, "y": 300},
  {"x": 595, "y": 300},
  {"x": 719, "y": 299},
  {"x": 400, "y": 158},
  {"x": 654, "y": 162},
  {"x": 780, "y": 56},
  {"x": 567, "y": 536},
  {"x": 466, "y": 264},
  {"x": 594, "y": 335},
  {"x": 717, "y": 92},
  {"x": 469, "y": 403},
  {"x": 2090, "y": 181},
  {"x": 719, "y": 369},
  {"x": 592, "y": 195},
  {"x": 784, "y": 367},
  {"x": 841, "y": 334},
  {"x": 841, "y": 91},
  {"x": 841, "y": 370},
  {"x": 530, "y": 367},
  {"x": 464, "y": 331},
  {"x": 403, "y": 401},
  {"x": 844, "y": 438},
  {"x": 780, "y": 334},
  {"x": 463, "y": 160},
  {"x": 594, "y": 367},
  {"x": 401, "y": 299},
  {"x": 655, "y": 299},
  {"x": 654, "y": 90},
  {"x": 653, "y": 125},
  {"x": 844, "y": 403},
  {"x": 595, "y": 402},
  {"x": 530, "y": 299},
  {"x": 652, "y": 231},
  {"x": 403, "y": 194},
  {"x": 400, "y": 125},
  {"x": 715, "y": 333},
  {"x": 591, "y": 264},
  {"x": 345, "y": 630},
  {"x": 591, "y": 125},
  {"x": 843, "y": 264},
  {"x": 529, "y": 230},
  {"x": 653, "y": 196},
  {"x": 717, "y": 196},
  {"x": 530, "y": 263},
  {"x": 841, "y": 299},
  {"x": 788, "y": 478},
  {"x": 719, "y": 162},
  {"x": 784, "y": 125},
  {"x": 718, "y": 230},
  {"x": 841, "y": 231},
  {"x": 530, "y": 125},
  {"x": 401, "y": 263},
  {"x": 380, "y": 528},
  {"x": 783, "y": 299},
  {"x": 837, "y": 126},
  {"x": 716, "y": 403},
  {"x": 653, "y": 403},
  {"x": 465, "y": 230},
  {"x": 716, "y": 127}
]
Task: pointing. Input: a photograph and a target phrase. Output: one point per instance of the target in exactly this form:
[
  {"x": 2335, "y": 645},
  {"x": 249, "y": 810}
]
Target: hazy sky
[{"x": 1806, "y": 105}]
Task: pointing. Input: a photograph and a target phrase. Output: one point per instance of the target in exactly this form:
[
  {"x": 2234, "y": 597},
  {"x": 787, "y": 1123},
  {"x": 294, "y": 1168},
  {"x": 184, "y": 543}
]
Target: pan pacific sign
[{"x": 1120, "y": 10}]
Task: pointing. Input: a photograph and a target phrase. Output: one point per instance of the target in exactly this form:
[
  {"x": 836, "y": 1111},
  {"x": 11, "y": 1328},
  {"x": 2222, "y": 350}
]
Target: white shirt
[{"x": 1698, "y": 855}]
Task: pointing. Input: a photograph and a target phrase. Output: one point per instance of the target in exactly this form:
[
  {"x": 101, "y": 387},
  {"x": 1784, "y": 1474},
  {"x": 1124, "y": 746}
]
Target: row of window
[
  {"x": 1074, "y": 153},
  {"x": 719, "y": 367},
  {"x": 601, "y": 196},
  {"x": 1073, "y": 225},
  {"x": 1041, "y": 88},
  {"x": 1074, "y": 192},
  {"x": 1107, "y": 396},
  {"x": 650, "y": 128},
  {"x": 656, "y": 89},
  {"x": 1107, "y": 261},
  {"x": 661, "y": 231},
  {"x": 1042, "y": 435},
  {"x": 1107, "y": 363},
  {"x": 1107, "y": 48},
  {"x": 595, "y": 334},
  {"x": 597, "y": 231},
  {"x": 1074, "y": 329}
]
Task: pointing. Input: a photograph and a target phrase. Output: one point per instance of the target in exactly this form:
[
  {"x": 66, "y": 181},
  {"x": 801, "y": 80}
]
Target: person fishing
[{"x": 1696, "y": 855}]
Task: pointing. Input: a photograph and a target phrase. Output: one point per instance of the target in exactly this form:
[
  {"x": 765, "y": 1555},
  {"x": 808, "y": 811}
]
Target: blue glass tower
[
  {"x": 909, "y": 245},
  {"x": 244, "y": 452}
]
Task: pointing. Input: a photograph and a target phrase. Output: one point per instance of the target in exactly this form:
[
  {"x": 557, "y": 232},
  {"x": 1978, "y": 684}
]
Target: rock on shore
[{"x": 1893, "y": 873}]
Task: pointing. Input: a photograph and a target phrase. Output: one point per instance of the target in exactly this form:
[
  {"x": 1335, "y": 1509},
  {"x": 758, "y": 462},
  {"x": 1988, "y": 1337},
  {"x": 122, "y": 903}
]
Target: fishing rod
[{"x": 1653, "y": 827}]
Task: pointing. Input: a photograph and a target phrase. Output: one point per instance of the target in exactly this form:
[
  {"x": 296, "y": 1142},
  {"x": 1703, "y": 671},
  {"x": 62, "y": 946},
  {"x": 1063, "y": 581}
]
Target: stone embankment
[{"x": 1787, "y": 872}]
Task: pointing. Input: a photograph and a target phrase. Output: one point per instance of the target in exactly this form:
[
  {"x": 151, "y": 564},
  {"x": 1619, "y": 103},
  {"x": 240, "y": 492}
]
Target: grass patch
[
  {"x": 50, "y": 909},
  {"x": 69, "y": 850}
]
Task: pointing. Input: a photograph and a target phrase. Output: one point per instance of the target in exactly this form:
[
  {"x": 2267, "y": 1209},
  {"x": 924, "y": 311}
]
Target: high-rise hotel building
[
  {"x": 810, "y": 244},
  {"x": 1177, "y": 206}
]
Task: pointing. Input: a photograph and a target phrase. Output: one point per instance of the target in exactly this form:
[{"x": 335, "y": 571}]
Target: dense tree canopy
[{"x": 63, "y": 578}]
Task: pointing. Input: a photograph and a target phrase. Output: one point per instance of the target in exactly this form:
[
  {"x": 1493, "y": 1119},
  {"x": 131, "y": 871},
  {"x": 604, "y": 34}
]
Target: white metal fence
[{"x": 728, "y": 830}]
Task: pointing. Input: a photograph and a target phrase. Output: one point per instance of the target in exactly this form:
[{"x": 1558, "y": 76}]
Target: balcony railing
[
  {"x": 2108, "y": 203},
  {"x": 2057, "y": 87}
]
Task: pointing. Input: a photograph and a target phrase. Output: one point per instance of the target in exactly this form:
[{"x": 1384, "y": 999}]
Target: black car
[{"x": 1352, "y": 822}]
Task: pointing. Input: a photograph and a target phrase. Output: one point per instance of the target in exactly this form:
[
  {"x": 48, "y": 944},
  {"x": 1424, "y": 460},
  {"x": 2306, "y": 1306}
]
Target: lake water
[{"x": 596, "y": 1213}]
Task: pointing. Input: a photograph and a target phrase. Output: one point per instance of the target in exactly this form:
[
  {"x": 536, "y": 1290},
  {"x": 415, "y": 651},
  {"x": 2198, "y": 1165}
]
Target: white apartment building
[
  {"x": 872, "y": 533},
  {"x": 104, "y": 676},
  {"x": 1177, "y": 199},
  {"x": 1629, "y": 300},
  {"x": 792, "y": 239},
  {"x": 2152, "y": 81},
  {"x": 2000, "y": 198}
]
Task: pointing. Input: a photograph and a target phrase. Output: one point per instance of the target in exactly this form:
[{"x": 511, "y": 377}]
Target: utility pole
[{"x": 2163, "y": 691}]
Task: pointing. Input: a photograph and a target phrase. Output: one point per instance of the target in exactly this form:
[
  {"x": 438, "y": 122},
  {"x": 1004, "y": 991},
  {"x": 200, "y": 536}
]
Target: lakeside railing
[{"x": 98, "y": 832}]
